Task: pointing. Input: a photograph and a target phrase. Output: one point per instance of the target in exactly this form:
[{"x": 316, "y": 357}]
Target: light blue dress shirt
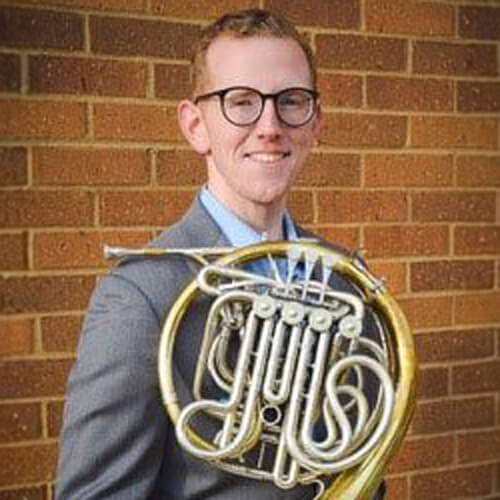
[{"x": 240, "y": 234}]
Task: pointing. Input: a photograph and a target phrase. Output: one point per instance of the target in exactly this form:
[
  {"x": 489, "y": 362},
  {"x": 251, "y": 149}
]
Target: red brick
[
  {"x": 478, "y": 171},
  {"x": 443, "y": 58},
  {"x": 478, "y": 308},
  {"x": 199, "y": 8},
  {"x": 331, "y": 170},
  {"x": 420, "y": 453},
  {"x": 396, "y": 488},
  {"x": 13, "y": 252},
  {"x": 347, "y": 237},
  {"x": 27, "y": 464},
  {"x": 497, "y": 479},
  {"x": 409, "y": 17},
  {"x": 453, "y": 132},
  {"x": 453, "y": 206},
  {"x": 461, "y": 482},
  {"x": 340, "y": 90},
  {"x": 477, "y": 377},
  {"x": 16, "y": 337},
  {"x": 42, "y": 119},
  {"x": 432, "y": 383},
  {"x": 54, "y": 417},
  {"x": 479, "y": 446},
  {"x": 44, "y": 294},
  {"x": 136, "y": 122},
  {"x": 477, "y": 240},
  {"x": 346, "y": 129},
  {"x": 452, "y": 275},
  {"x": 40, "y": 28},
  {"x": 361, "y": 206},
  {"x": 92, "y": 167},
  {"x": 143, "y": 208},
  {"x": 454, "y": 345},
  {"x": 180, "y": 168},
  {"x": 361, "y": 52},
  {"x": 121, "y": 5},
  {"x": 334, "y": 13},
  {"x": 479, "y": 97},
  {"x": 13, "y": 166},
  {"x": 138, "y": 37},
  {"x": 393, "y": 274},
  {"x": 20, "y": 422},
  {"x": 428, "y": 312},
  {"x": 479, "y": 22},
  {"x": 408, "y": 170},
  {"x": 172, "y": 81},
  {"x": 24, "y": 379},
  {"x": 453, "y": 414},
  {"x": 47, "y": 208},
  {"x": 72, "y": 250},
  {"x": 60, "y": 333},
  {"x": 10, "y": 73},
  {"x": 413, "y": 94},
  {"x": 70, "y": 75},
  {"x": 29, "y": 493},
  {"x": 300, "y": 204},
  {"x": 406, "y": 241}
]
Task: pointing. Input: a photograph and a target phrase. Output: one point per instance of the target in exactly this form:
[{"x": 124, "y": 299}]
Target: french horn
[{"x": 317, "y": 384}]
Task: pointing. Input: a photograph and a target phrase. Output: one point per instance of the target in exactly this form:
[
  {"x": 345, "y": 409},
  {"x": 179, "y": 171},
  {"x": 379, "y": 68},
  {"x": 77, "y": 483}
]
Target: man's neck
[{"x": 263, "y": 218}]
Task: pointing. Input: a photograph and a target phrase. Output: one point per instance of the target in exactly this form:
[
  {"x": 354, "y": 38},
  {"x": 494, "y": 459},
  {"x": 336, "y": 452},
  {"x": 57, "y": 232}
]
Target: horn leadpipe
[{"x": 200, "y": 255}]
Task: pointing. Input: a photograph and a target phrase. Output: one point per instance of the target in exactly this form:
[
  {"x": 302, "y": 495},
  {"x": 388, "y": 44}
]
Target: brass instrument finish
[{"x": 292, "y": 358}]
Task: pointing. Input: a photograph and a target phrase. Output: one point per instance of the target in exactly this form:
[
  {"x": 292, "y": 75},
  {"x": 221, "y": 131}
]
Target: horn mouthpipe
[
  {"x": 198, "y": 254},
  {"x": 114, "y": 252},
  {"x": 111, "y": 252}
]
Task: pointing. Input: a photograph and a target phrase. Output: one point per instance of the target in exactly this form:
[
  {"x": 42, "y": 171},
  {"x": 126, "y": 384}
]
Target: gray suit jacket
[{"x": 117, "y": 442}]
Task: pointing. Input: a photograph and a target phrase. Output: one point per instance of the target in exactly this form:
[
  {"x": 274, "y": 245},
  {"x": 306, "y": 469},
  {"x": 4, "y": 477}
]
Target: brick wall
[{"x": 408, "y": 168}]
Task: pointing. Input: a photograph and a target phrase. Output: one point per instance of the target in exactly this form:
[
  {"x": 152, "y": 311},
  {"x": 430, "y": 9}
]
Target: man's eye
[
  {"x": 242, "y": 102},
  {"x": 293, "y": 101}
]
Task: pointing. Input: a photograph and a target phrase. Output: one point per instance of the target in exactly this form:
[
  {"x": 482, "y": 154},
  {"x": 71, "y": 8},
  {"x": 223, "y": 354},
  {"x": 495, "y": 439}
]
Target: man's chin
[{"x": 270, "y": 198}]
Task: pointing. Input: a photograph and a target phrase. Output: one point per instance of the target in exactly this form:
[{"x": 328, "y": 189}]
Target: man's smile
[{"x": 267, "y": 157}]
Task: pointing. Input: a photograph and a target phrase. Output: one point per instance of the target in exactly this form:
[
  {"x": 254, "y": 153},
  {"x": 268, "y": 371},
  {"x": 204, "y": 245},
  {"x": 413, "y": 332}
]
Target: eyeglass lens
[{"x": 244, "y": 106}]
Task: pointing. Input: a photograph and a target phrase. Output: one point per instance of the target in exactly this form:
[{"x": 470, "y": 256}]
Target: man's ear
[{"x": 192, "y": 126}]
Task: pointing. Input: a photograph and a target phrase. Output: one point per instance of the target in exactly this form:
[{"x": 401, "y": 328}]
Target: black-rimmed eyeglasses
[{"x": 243, "y": 106}]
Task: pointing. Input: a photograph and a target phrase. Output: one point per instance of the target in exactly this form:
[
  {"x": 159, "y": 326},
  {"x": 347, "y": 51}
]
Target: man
[{"x": 254, "y": 117}]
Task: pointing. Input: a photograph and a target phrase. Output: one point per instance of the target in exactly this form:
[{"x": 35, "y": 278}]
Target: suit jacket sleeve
[{"x": 114, "y": 425}]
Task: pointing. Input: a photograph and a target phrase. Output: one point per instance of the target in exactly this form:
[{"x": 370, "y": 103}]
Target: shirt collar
[{"x": 238, "y": 232}]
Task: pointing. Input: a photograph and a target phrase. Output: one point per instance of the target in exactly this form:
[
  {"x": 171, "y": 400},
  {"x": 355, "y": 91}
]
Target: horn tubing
[{"x": 361, "y": 481}]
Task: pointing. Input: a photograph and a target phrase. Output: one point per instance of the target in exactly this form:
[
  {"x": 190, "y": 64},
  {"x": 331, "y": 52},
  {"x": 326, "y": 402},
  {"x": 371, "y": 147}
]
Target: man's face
[{"x": 254, "y": 164}]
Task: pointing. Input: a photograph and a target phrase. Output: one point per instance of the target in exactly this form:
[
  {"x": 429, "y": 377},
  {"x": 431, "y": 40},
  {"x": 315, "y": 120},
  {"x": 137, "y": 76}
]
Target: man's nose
[{"x": 269, "y": 122}]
